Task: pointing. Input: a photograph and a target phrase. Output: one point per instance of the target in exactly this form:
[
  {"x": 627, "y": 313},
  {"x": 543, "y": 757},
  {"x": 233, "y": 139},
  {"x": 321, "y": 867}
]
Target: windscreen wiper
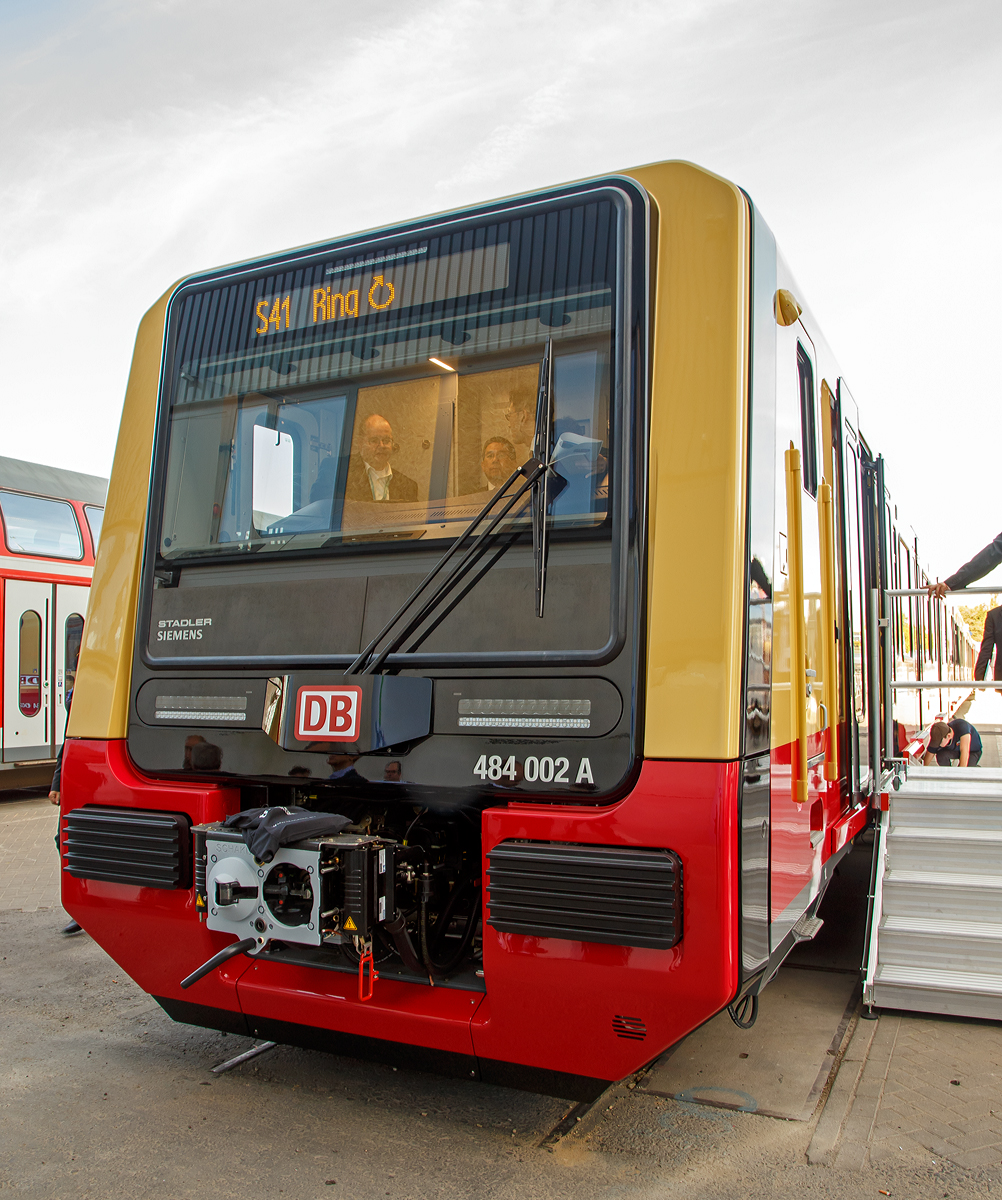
[
  {"x": 534, "y": 472},
  {"x": 540, "y": 493},
  {"x": 365, "y": 663}
]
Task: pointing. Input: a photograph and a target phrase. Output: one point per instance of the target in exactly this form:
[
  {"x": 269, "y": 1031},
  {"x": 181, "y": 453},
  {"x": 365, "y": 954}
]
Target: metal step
[
  {"x": 961, "y": 851},
  {"x": 955, "y": 993},
  {"x": 954, "y": 812},
  {"x": 946, "y": 981},
  {"x": 942, "y": 895},
  {"x": 936, "y": 937},
  {"x": 942, "y": 779},
  {"x": 939, "y": 835},
  {"x": 962, "y": 949},
  {"x": 807, "y": 928},
  {"x": 981, "y": 929}
]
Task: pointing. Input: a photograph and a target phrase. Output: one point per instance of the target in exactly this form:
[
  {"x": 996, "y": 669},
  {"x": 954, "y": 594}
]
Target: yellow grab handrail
[
  {"x": 829, "y": 656},
  {"x": 798, "y": 632}
]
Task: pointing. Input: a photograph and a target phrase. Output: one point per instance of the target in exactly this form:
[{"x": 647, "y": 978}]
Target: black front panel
[
  {"x": 536, "y": 745},
  {"x": 586, "y": 893},
  {"x": 124, "y": 845},
  {"x": 312, "y": 468},
  {"x": 241, "y": 614}
]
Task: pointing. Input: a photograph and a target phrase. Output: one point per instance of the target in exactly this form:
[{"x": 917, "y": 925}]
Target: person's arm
[
  {"x": 970, "y": 572},
  {"x": 54, "y": 785},
  {"x": 965, "y": 749},
  {"x": 929, "y": 759}
]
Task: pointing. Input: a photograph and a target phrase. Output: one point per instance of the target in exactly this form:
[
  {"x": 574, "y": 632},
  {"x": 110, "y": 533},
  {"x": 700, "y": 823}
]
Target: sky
[{"x": 142, "y": 142}]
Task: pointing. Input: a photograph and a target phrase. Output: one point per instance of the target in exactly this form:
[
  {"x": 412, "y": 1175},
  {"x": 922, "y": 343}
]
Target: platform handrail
[
  {"x": 965, "y": 684},
  {"x": 883, "y": 665},
  {"x": 978, "y": 591},
  {"x": 885, "y": 759}
]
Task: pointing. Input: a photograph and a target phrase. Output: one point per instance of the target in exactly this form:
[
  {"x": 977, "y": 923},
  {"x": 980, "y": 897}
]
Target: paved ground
[
  {"x": 29, "y": 865},
  {"x": 929, "y": 1085},
  {"x": 101, "y": 1095}
]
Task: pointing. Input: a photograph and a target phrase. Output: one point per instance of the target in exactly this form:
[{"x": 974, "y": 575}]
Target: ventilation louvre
[
  {"x": 629, "y": 1027},
  {"x": 586, "y": 893},
  {"x": 127, "y": 845}
]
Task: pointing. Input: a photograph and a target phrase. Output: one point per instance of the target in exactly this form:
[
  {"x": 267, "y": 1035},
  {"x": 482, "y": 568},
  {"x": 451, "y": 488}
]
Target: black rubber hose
[
  {"x": 397, "y": 930},
  {"x": 744, "y": 1013},
  {"x": 441, "y": 926},
  {"x": 423, "y": 933},
  {"x": 217, "y": 960},
  {"x": 464, "y": 942}
]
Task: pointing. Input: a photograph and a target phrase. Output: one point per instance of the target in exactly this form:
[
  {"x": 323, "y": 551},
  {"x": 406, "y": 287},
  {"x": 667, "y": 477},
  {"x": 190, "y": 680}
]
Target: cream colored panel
[
  {"x": 698, "y": 465},
  {"x": 101, "y": 697}
]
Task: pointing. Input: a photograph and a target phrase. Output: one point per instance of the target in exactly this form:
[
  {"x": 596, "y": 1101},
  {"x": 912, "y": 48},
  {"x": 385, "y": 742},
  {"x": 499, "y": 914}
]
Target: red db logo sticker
[{"x": 327, "y": 714}]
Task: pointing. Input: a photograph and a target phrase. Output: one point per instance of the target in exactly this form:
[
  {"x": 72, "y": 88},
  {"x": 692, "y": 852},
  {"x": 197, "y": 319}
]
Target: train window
[
  {"x": 271, "y": 479},
  {"x": 95, "y": 519},
  {"x": 808, "y": 420},
  {"x": 29, "y": 666},
  {"x": 35, "y": 525},
  {"x": 385, "y": 403},
  {"x": 74, "y": 636}
]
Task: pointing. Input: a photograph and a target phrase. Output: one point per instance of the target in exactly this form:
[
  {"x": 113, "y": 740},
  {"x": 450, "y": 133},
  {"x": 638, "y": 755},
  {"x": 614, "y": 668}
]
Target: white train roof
[{"x": 52, "y": 481}]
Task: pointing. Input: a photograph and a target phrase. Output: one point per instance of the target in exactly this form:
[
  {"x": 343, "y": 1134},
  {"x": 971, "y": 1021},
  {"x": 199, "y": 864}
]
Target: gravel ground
[{"x": 103, "y": 1095}]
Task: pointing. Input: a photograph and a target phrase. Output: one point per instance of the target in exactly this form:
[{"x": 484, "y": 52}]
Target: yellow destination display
[{"x": 387, "y": 282}]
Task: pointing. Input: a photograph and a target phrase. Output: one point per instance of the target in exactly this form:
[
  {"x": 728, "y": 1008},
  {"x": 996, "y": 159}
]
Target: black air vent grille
[
  {"x": 586, "y": 893},
  {"x": 128, "y": 845},
  {"x": 629, "y": 1027}
]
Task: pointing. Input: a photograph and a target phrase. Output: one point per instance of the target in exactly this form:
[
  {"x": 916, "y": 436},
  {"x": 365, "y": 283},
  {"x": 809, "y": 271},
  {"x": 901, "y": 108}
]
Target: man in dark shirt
[
  {"x": 991, "y": 644},
  {"x": 979, "y": 566},
  {"x": 956, "y": 739}
]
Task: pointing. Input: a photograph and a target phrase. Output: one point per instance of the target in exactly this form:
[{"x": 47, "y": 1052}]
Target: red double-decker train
[
  {"x": 50, "y": 522},
  {"x": 479, "y": 674}
]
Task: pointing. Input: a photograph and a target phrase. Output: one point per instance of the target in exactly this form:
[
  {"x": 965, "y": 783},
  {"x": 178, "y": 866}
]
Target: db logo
[{"x": 327, "y": 714}]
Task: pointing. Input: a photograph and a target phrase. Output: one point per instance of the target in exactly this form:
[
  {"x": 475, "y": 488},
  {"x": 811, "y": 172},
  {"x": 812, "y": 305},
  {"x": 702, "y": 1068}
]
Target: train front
[{"x": 373, "y": 757}]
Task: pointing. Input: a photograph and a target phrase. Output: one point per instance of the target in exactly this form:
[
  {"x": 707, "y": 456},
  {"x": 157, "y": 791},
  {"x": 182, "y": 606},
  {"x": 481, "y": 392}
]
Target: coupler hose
[
  {"x": 744, "y": 1012},
  {"x": 217, "y": 960},
  {"x": 405, "y": 947}
]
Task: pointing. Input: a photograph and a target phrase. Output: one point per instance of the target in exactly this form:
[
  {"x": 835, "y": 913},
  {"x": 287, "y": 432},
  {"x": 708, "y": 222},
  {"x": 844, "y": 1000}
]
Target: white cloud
[{"x": 146, "y": 141}]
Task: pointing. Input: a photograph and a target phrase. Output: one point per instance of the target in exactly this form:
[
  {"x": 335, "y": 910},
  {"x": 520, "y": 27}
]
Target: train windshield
[{"x": 380, "y": 395}]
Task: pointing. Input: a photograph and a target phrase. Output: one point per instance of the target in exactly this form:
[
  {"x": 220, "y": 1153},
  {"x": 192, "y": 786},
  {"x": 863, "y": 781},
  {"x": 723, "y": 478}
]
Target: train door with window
[
  {"x": 799, "y": 735},
  {"x": 853, "y": 643},
  {"x": 27, "y": 675},
  {"x": 43, "y": 632},
  {"x": 70, "y": 609}
]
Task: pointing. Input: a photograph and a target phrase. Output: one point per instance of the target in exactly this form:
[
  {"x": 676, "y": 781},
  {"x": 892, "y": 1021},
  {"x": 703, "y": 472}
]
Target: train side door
[
  {"x": 853, "y": 645},
  {"x": 801, "y": 699},
  {"x": 70, "y": 610},
  {"x": 27, "y": 734}
]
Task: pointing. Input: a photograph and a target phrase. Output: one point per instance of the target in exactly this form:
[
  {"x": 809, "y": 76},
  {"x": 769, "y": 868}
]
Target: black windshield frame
[{"x": 628, "y": 409}]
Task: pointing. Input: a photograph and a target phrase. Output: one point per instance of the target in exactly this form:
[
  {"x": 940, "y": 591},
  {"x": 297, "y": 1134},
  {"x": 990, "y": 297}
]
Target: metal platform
[{"x": 936, "y": 936}]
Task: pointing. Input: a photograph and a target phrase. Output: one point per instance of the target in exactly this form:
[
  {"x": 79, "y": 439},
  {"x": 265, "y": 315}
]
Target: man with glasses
[{"x": 370, "y": 476}]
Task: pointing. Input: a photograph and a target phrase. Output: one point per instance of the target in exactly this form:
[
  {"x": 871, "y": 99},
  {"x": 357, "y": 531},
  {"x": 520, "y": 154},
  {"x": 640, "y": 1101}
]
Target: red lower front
[{"x": 549, "y": 1004}]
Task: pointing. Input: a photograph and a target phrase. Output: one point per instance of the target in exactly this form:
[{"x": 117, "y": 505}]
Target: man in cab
[{"x": 498, "y": 463}]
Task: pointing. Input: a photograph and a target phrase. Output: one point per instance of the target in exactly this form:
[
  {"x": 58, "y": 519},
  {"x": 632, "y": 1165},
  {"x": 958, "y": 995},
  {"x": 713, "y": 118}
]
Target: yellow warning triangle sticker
[{"x": 350, "y": 924}]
